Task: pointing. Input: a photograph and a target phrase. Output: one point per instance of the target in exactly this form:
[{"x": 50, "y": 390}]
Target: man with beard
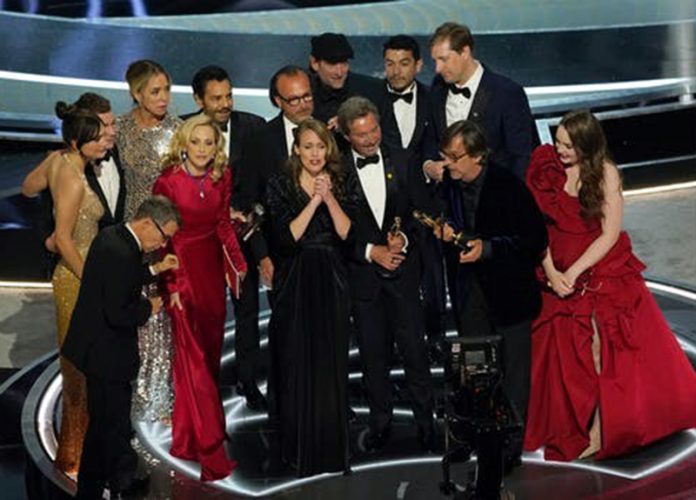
[
  {"x": 212, "y": 91},
  {"x": 332, "y": 80}
]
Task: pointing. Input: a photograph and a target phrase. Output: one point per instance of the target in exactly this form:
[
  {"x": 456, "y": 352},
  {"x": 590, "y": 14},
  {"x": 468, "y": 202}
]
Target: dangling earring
[{"x": 184, "y": 155}]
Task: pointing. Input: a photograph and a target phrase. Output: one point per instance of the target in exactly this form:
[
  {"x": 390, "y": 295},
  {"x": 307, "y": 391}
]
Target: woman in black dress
[{"x": 309, "y": 205}]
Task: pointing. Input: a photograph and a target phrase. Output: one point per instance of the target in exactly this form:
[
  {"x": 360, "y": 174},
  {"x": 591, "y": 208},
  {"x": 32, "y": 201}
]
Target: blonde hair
[
  {"x": 177, "y": 146},
  {"x": 140, "y": 72}
]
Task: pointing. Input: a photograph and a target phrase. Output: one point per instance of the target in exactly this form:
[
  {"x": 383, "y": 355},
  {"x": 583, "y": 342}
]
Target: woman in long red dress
[
  {"x": 198, "y": 181},
  {"x": 608, "y": 375}
]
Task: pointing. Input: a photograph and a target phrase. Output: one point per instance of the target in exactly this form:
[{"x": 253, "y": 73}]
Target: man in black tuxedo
[
  {"x": 492, "y": 283},
  {"x": 385, "y": 271},
  {"x": 405, "y": 105},
  {"x": 332, "y": 80},
  {"x": 105, "y": 178},
  {"x": 212, "y": 91},
  {"x": 102, "y": 341},
  {"x": 465, "y": 89},
  {"x": 405, "y": 122}
]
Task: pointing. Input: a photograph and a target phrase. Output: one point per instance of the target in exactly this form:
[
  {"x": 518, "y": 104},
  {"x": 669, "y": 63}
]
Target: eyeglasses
[
  {"x": 295, "y": 101},
  {"x": 453, "y": 158},
  {"x": 165, "y": 236}
]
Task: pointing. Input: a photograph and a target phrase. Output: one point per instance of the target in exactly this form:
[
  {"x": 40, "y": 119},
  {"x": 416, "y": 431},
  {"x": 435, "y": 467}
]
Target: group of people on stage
[{"x": 528, "y": 242}]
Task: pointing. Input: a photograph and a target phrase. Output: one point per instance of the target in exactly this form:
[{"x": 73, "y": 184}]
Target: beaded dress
[
  {"x": 66, "y": 286},
  {"x": 141, "y": 150}
]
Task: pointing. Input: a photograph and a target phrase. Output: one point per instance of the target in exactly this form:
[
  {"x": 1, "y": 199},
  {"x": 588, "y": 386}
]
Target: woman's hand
[
  {"x": 175, "y": 301},
  {"x": 322, "y": 187},
  {"x": 560, "y": 284}
]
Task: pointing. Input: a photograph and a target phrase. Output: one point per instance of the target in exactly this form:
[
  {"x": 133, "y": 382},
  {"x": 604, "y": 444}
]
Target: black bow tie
[
  {"x": 461, "y": 91},
  {"x": 109, "y": 155},
  {"x": 367, "y": 160},
  {"x": 407, "y": 97}
]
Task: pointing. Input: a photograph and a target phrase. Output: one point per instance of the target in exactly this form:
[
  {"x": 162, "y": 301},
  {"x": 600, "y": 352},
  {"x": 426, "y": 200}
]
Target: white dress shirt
[
  {"x": 457, "y": 106},
  {"x": 375, "y": 188},
  {"x": 405, "y": 114},
  {"x": 289, "y": 126},
  {"x": 109, "y": 181}
]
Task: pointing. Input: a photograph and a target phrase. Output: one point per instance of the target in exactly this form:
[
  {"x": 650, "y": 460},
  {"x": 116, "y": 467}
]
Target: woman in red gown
[
  {"x": 608, "y": 375},
  {"x": 198, "y": 181}
]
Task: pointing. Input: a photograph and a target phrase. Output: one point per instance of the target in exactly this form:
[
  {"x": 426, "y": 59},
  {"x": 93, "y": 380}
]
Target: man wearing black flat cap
[{"x": 332, "y": 80}]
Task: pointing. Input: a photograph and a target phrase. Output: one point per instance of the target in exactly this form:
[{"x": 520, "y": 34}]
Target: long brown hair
[
  {"x": 590, "y": 146},
  {"x": 333, "y": 159}
]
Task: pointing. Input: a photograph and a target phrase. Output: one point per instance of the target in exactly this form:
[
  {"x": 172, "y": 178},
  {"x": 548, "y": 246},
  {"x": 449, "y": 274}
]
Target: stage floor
[{"x": 400, "y": 470}]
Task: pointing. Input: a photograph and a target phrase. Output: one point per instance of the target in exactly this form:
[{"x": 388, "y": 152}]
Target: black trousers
[
  {"x": 393, "y": 316},
  {"x": 433, "y": 288},
  {"x": 246, "y": 334},
  {"x": 108, "y": 458}
]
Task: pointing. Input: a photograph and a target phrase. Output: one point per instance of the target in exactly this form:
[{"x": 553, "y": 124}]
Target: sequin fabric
[
  {"x": 141, "y": 151},
  {"x": 73, "y": 422}
]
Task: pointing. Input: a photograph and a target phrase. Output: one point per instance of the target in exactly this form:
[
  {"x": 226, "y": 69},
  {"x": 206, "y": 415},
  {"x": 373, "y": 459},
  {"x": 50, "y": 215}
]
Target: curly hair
[
  {"x": 333, "y": 165},
  {"x": 590, "y": 145},
  {"x": 177, "y": 146}
]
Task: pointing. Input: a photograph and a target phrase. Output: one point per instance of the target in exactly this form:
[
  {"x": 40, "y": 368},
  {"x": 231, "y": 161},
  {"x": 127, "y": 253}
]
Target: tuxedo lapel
[
  {"x": 279, "y": 143},
  {"x": 390, "y": 181},
  {"x": 481, "y": 99},
  {"x": 421, "y": 115},
  {"x": 439, "y": 104}
]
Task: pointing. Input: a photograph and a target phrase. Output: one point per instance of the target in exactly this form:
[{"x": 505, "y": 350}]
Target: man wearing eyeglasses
[{"x": 491, "y": 281}]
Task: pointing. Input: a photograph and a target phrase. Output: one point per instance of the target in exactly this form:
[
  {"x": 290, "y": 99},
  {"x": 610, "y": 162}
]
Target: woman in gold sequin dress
[
  {"x": 77, "y": 212},
  {"x": 143, "y": 136}
]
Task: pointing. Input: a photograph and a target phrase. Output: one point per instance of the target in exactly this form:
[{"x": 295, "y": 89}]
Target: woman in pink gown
[
  {"x": 197, "y": 180},
  {"x": 608, "y": 375}
]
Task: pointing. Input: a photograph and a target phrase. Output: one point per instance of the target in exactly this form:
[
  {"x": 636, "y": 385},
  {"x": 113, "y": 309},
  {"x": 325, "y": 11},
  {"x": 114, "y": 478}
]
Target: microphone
[{"x": 255, "y": 218}]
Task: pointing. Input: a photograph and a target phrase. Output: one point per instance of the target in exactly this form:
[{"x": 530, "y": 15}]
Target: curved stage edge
[{"x": 399, "y": 469}]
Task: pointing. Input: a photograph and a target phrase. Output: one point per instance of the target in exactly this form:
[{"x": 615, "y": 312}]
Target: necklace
[{"x": 199, "y": 180}]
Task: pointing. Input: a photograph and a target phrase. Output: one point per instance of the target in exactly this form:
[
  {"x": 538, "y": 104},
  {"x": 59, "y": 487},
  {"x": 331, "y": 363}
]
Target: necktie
[
  {"x": 461, "y": 91},
  {"x": 407, "y": 97},
  {"x": 223, "y": 126},
  {"x": 367, "y": 160}
]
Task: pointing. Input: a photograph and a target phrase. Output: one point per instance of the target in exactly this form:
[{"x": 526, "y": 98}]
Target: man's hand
[
  {"x": 396, "y": 242},
  {"x": 474, "y": 254},
  {"x": 170, "y": 261},
  {"x": 238, "y": 216},
  {"x": 383, "y": 257},
  {"x": 266, "y": 271},
  {"x": 446, "y": 234},
  {"x": 434, "y": 169},
  {"x": 175, "y": 301},
  {"x": 332, "y": 124},
  {"x": 156, "y": 303}
]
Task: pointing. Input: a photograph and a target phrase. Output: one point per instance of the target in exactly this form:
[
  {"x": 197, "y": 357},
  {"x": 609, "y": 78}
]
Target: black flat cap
[{"x": 331, "y": 47}]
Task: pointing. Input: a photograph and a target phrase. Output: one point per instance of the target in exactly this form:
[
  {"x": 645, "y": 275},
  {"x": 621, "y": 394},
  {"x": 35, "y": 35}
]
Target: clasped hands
[
  {"x": 322, "y": 188},
  {"x": 562, "y": 283}
]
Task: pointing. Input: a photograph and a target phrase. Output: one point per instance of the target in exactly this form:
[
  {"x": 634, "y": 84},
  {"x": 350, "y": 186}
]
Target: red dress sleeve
[
  {"x": 174, "y": 279},
  {"x": 225, "y": 231}
]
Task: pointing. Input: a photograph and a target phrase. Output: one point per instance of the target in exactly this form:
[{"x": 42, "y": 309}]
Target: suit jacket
[
  {"x": 109, "y": 218},
  {"x": 328, "y": 100},
  {"x": 102, "y": 339},
  {"x": 243, "y": 126},
  {"x": 267, "y": 154},
  {"x": 501, "y": 108},
  {"x": 508, "y": 217},
  {"x": 401, "y": 195},
  {"x": 391, "y": 136}
]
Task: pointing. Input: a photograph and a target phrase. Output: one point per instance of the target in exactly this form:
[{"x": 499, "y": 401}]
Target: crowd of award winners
[{"x": 147, "y": 212}]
